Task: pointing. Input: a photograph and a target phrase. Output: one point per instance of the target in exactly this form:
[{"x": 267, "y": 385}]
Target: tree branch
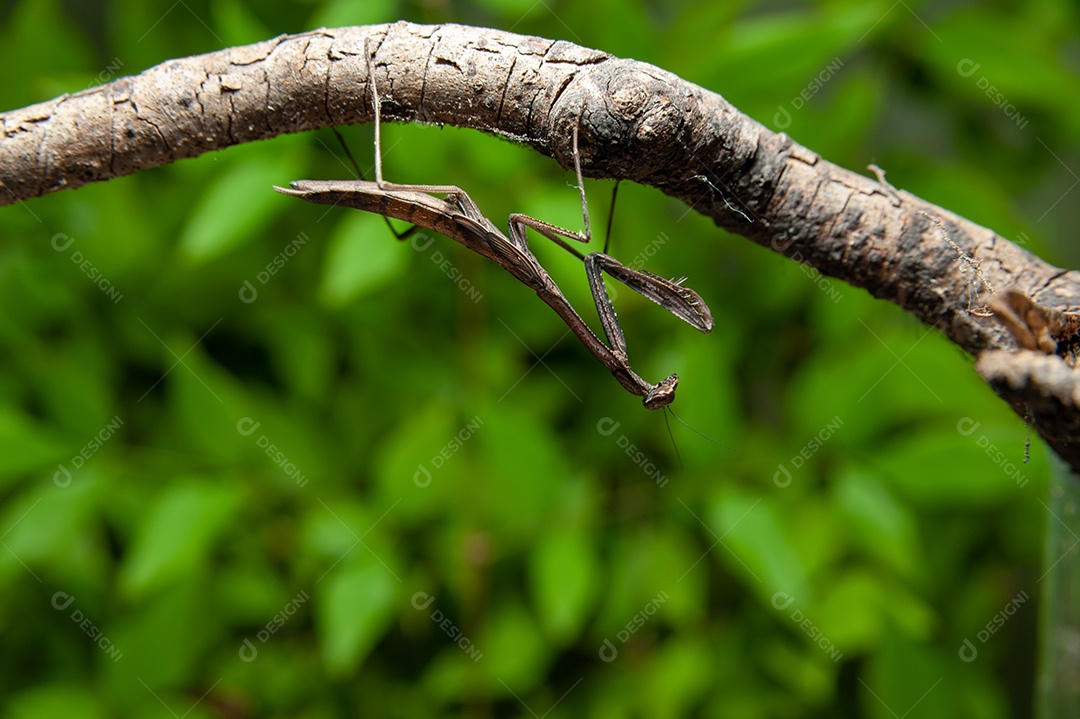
[{"x": 637, "y": 122}]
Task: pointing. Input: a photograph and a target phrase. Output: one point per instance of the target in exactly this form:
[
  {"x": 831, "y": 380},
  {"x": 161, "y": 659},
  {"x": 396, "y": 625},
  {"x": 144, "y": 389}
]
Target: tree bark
[{"x": 636, "y": 122}]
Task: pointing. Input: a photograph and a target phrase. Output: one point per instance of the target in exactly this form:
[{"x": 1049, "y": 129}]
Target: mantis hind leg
[{"x": 404, "y": 234}]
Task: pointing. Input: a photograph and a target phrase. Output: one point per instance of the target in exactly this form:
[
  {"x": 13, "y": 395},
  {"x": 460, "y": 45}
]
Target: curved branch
[
  {"x": 637, "y": 122},
  {"x": 1042, "y": 389}
]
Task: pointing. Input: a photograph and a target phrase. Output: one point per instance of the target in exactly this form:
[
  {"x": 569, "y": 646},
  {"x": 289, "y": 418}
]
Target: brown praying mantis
[{"x": 457, "y": 216}]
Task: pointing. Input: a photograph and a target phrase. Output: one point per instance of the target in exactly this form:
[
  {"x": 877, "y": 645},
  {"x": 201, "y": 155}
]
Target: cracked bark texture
[{"x": 637, "y": 122}]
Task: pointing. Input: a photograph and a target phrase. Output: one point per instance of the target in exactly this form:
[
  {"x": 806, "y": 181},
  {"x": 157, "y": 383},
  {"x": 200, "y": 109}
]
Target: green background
[{"x": 178, "y": 539}]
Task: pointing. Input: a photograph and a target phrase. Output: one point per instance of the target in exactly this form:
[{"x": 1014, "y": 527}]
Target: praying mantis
[{"x": 458, "y": 217}]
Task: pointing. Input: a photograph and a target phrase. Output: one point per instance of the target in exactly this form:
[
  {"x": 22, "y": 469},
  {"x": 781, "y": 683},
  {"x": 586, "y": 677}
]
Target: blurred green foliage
[{"x": 362, "y": 493}]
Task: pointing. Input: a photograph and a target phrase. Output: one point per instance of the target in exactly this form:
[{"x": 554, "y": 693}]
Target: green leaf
[
  {"x": 680, "y": 674},
  {"x": 805, "y": 672},
  {"x": 968, "y": 470},
  {"x": 26, "y": 446},
  {"x": 44, "y": 525},
  {"x": 238, "y": 25},
  {"x": 206, "y": 402},
  {"x": 851, "y": 614},
  {"x": 1023, "y": 72},
  {"x": 362, "y": 256},
  {"x": 177, "y": 533},
  {"x": 353, "y": 612},
  {"x": 416, "y": 465},
  {"x": 304, "y": 357},
  {"x": 238, "y": 204},
  {"x": 752, "y": 542},
  {"x": 772, "y": 58},
  {"x": 56, "y": 699},
  {"x": 879, "y": 523},
  {"x": 71, "y": 379},
  {"x": 529, "y": 472},
  {"x": 342, "y": 13},
  {"x": 565, "y": 577},
  {"x": 906, "y": 676},
  {"x": 24, "y": 27},
  {"x": 164, "y": 638},
  {"x": 515, "y": 651}
]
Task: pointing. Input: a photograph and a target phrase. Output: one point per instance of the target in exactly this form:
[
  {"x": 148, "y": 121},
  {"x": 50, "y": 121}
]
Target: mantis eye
[{"x": 662, "y": 394}]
